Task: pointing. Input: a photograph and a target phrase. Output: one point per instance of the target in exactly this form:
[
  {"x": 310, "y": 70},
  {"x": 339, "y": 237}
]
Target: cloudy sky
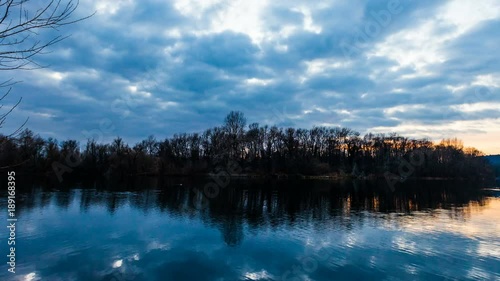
[{"x": 420, "y": 68}]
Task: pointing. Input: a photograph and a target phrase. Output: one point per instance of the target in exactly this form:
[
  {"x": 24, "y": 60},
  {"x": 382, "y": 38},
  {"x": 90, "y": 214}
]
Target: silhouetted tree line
[{"x": 252, "y": 149}]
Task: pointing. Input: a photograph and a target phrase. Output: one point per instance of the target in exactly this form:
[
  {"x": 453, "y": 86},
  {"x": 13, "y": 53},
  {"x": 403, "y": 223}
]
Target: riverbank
[{"x": 331, "y": 176}]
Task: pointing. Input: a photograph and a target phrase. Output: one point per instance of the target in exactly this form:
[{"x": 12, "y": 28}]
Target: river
[{"x": 157, "y": 229}]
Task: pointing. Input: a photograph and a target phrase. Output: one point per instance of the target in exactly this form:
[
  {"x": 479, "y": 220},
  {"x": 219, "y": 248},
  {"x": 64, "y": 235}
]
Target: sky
[{"x": 423, "y": 69}]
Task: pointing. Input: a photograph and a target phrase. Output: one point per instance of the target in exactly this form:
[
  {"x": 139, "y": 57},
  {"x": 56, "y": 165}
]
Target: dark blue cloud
[
  {"x": 471, "y": 53},
  {"x": 227, "y": 50}
]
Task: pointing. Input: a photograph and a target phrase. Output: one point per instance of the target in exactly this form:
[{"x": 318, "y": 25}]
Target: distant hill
[
  {"x": 494, "y": 159},
  {"x": 495, "y": 162}
]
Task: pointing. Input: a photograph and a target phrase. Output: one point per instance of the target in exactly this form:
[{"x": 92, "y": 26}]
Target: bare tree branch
[
  {"x": 19, "y": 29},
  {"x": 16, "y": 47}
]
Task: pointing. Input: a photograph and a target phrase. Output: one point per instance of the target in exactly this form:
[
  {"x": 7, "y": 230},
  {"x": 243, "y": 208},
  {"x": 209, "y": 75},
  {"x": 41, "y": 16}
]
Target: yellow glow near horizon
[
  {"x": 488, "y": 143},
  {"x": 483, "y": 135}
]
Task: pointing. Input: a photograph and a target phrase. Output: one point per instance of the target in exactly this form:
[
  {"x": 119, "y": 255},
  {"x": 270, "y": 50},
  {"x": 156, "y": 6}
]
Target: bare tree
[
  {"x": 234, "y": 125},
  {"x": 21, "y": 22}
]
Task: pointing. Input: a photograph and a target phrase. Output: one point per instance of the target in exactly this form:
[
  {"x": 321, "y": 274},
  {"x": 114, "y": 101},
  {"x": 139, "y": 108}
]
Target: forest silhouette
[{"x": 254, "y": 150}]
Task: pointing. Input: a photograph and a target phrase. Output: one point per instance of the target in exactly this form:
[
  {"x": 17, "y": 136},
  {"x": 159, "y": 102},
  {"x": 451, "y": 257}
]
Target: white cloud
[
  {"x": 117, "y": 263},
  {"x": 111, "y": 6},
  {"x": 259, "y": 275},
  {"x": 465, "y": 14}
]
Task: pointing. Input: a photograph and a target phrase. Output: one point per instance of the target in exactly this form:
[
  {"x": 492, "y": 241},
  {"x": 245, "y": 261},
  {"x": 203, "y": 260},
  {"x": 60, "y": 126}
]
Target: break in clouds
[{"x": 419, "y": 68}]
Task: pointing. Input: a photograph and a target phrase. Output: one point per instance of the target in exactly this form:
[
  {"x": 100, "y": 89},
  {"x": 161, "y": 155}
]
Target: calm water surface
[{"x": 264, "y": 230}]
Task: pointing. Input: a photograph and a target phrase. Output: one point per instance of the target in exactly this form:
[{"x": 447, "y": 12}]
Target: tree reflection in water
[{"x": 264, "y": 204}]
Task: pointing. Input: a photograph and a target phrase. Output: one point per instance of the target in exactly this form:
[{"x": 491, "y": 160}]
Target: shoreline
[
  {"x": 334, "y": 177},
  {"x": 326, "y": 177}
]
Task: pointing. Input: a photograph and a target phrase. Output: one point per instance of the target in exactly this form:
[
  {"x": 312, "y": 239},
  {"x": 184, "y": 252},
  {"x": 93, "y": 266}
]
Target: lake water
[{"x": 256, "y": 230}]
